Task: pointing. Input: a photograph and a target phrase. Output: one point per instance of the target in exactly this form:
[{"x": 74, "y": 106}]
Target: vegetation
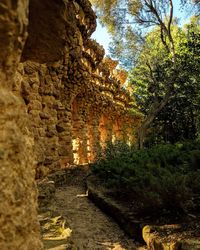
[
  {"x": 179, "y": 119},
  {"x": 162, "y": 58},
  {"x": 162, "y": 179},
  {"x": 148, "y": 41}
]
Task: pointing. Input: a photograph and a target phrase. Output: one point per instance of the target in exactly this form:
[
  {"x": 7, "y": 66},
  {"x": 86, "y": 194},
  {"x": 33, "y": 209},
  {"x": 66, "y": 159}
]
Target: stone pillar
[
  {"x": 80, "y": 133},
  {"x": 105, "y": 128},
  {"x": 49, "y": 90},
  {"x": 118, "y": 131},
  {"x": 80, "y": 140},
  {"x": 39, "y": 91},
  {"x": 30, "y": 93},
  {"x": 83, "y": 144},
  {"x": 93, "y": 139},
  {"x": 13, "y": 26},
  {"x": 19, "y": 227},
  {"x": 64, "y": 128}
]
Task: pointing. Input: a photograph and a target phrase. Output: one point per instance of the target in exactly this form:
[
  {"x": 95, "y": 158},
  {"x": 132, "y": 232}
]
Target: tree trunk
[
  {"x": 143, "y": 130},
  {"x": 154, "y": 110}
]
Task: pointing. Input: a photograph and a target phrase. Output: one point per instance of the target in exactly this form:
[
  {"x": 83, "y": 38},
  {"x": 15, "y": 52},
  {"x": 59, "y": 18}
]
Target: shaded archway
[
  {"x": 79, "y": 131},
  {"x": 105, "y": 128}
]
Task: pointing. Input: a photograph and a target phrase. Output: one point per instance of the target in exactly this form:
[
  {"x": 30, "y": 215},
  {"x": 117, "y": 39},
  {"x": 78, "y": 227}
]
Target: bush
[{"x": 162, "y": 177}]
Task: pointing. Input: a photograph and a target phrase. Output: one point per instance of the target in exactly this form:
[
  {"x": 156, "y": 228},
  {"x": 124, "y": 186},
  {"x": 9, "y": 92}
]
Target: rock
[
  {"x": 51, "y": 104},
  {"x": 59, "y": 177},
  {"x": 155, "y": 243},
  {"x": 46, "y": 192},
  {"x": 60, "y": 128}
]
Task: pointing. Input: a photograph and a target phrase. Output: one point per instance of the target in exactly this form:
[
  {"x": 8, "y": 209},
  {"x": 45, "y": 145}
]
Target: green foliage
[
  {"x": 164, "y": 177},
  {"x": 179, "y": 119},
  {"x": 128, "y": 23},
  {"x": 165, "y": 62}
]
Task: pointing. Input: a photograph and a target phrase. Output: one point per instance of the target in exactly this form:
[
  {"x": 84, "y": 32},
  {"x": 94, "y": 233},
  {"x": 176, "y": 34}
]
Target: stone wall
[
  {"x": 60, "y": 102},
  {"x": 68, "y": 87},
  {"x": 19, "y": 228}
]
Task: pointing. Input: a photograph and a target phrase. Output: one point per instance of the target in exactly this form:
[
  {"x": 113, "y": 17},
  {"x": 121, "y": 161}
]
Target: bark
[
  {"x": 154, "y": 110},
  {"x": 142, "y": 131},
  {"x": 156, "y": 107}
]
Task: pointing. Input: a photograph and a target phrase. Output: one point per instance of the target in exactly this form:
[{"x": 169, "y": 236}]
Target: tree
[
  {"x": 117, "y": 14},
  {"x": 179, "y": 119}
]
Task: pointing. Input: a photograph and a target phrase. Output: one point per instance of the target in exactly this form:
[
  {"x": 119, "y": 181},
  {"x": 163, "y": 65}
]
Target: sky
[{"x": 102, "y": 37}]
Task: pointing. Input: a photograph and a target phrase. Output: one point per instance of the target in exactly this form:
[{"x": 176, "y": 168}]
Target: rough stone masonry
[{"x": 60, "y": 102}]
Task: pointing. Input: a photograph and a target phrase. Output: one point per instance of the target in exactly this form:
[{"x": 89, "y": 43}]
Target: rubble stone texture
[
  {"x": 19, "y": 228},
  {"x": 60, "y": 102}
]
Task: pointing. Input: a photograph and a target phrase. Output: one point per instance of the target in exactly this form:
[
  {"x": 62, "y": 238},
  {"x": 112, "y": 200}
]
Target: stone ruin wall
[
  {"x": 60, "y": 101},
  {"x": 74, "y": 101}
]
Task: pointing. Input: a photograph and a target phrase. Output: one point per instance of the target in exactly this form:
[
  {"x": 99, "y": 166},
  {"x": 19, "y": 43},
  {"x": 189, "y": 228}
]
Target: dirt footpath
[{"x": 91, "y": 228}]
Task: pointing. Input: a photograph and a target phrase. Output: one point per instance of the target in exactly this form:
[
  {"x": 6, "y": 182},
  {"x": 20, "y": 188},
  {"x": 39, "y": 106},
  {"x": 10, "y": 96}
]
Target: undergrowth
[{"x": 162, "y": 178}]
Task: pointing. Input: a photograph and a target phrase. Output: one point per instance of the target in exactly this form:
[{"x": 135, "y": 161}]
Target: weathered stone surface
[
  {"x": 46, "y": 191},
  {"x": 46, "y": 31},
  {"x": 13, "y": 16},
  {"x": 19, "y": 228},
  {"x": 69, "y": 90},
  {"x": 158, "y": 243},
  {"x": 60, "y": 103}
]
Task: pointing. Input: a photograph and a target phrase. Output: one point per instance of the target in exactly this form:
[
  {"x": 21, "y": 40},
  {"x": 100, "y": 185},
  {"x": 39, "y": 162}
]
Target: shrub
[{"x": 162, "y": 177}]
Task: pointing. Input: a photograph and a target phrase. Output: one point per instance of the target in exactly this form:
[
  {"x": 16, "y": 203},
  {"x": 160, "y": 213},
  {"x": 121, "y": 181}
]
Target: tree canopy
[
  {"x": 162, "y": 57},
  {"x": 179, "y": 119}
]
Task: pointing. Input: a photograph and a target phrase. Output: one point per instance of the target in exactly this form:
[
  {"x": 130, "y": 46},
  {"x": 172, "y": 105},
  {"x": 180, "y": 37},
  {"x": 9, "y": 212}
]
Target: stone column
[
  {"x": 64, "y": 128},
  {"x": 19, "y": 227},
  {"x": 118, "y": 131},
  {"x": 93, "y": 139},
  {"x": 83, "y": 143},
  {"x": 105, "y": 128},
  {"x": 80, "y": 140}
]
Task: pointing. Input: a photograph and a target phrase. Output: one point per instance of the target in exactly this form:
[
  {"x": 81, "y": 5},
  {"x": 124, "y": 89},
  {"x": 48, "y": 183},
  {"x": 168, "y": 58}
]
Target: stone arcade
[{"x": 60, "y": 101}]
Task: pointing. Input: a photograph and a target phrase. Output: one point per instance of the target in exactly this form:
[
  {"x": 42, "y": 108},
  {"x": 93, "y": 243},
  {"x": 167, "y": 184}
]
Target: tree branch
[
  {"x": 163, "y": 40},
  {"x": 169, "y": 30},
  {"x": 151, "y": 73},
  {"x": 170, "y": 15}
]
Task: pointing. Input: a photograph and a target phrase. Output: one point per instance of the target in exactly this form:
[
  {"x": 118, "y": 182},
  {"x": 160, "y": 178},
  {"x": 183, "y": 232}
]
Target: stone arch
[
  {"x": 94, "y": 146},
  {"x": 118, "y": 130},
  {"x": 63, "y": 90},
  {"x": 105, "y": 128},
  {"x": 80, "y": 130}
]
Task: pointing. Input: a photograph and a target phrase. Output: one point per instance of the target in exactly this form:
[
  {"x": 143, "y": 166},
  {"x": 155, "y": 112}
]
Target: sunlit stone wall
[{"x": 60, "y": 102}]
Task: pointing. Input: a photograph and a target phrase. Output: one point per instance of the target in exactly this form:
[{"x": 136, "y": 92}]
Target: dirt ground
[
  {"x": 91, "y": 228},
  {"x": 73, "y": 222}
]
